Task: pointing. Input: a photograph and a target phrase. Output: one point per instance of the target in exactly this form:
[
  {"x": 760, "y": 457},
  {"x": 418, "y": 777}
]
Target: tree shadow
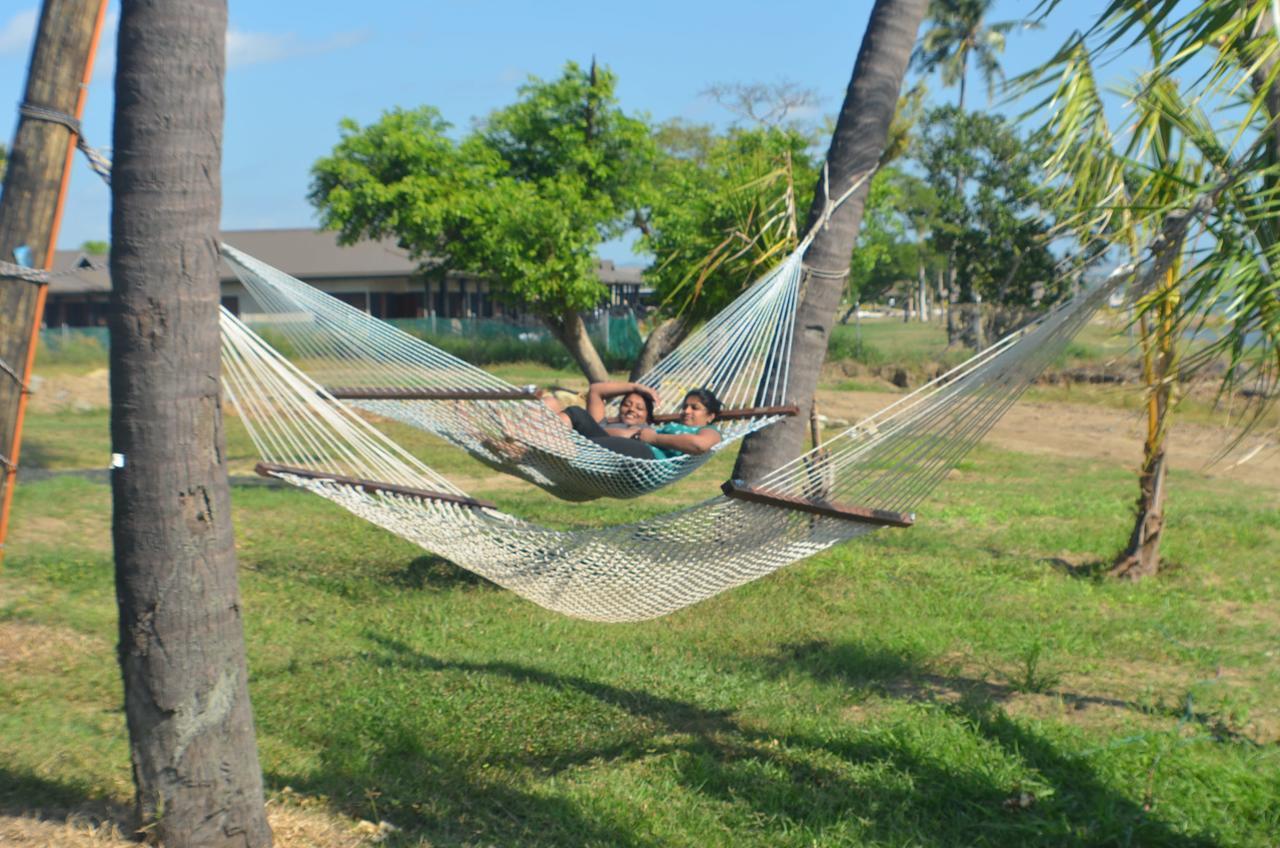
[
  {"x": 1092, "y": 569},
  {"x": 1081, "y": 809},
  {"x": 28, "y": 795},
  {"x": 437, "y": 573},
  {"x": 885, "y": 790}
]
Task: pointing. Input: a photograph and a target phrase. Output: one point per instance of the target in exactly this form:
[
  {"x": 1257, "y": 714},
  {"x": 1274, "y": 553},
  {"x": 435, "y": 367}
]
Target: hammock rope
[{"x": 874, "y": 473}]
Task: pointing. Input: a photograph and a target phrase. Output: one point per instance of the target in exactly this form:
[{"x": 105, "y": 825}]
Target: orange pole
[{"x": 12, "y": 470}]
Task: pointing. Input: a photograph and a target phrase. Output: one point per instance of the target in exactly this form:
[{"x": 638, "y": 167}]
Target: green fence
[
  {"x": 480, "y": 341},
  {"x": 73, "y": 345}
]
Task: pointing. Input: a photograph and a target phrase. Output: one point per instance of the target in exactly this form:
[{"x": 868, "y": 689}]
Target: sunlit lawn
[{"x": 969, "y": 681}]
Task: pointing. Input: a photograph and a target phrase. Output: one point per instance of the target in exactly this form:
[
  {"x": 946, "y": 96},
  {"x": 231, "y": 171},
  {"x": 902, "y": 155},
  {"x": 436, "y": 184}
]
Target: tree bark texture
[
  {"x": 861, "y": 132},
  {"x": 664, "y": 338},
  {"x": 571, "y": 330},
  {"x": 37, "y": 166},
  {"x": 182, "y": 656}
]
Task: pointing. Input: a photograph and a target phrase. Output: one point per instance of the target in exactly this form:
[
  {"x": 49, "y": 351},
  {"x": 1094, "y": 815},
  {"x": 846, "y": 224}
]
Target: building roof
[
  {"x": 303, "y": 253},
  {"x": 316, "y": 255}
]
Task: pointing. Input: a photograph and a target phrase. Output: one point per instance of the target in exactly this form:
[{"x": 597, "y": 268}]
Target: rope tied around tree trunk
[{"x": 824, "y": 274}]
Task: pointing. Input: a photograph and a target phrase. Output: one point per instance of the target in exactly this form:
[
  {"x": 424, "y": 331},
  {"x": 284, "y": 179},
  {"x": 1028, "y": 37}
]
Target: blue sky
[{"x": 295, "y": 69}]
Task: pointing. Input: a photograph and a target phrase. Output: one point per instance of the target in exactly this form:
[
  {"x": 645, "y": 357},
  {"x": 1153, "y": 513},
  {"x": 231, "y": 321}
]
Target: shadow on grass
[
  {"x": 870, "y": 786},
  {"x": 30, "y": 796},
  {"x": 1082, "y": 809},
  {"x": 433, "y": 572}
]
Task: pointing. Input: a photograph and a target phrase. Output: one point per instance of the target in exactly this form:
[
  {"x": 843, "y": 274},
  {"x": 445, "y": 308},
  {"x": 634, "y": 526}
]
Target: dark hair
[
  {"x": 648, "y": 404},
  {"x": 708, "y": 398}
]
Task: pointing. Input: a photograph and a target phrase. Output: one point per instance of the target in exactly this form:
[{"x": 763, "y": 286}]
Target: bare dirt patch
[
  {"x": 1099, "y": 433},
  {"x": 70, "y": 392}
]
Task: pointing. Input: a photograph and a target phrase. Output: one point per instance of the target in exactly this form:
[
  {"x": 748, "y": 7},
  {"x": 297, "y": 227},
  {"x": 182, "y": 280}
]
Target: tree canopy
[
  {"x": 723, "y": 210},
  {"x": 525, "y": 199},
  {"x": 990, "y": 217}
]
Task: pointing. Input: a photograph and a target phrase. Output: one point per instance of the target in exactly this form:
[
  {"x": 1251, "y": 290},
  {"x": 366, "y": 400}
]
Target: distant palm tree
[{"x": 956, "y": 34}]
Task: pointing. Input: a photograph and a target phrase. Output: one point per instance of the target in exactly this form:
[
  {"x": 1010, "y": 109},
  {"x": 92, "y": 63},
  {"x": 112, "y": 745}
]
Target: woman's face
[
  {"x": 632, "y": 411},
  {"x": 694, "y": 413}
]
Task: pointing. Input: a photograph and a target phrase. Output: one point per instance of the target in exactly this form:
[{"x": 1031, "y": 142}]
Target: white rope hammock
[
  {"x": 874, "y": 474},
  {"x": 740, "y": 354}
]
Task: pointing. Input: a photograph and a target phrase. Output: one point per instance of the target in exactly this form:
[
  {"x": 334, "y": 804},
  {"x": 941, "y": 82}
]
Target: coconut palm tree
[
  {"x": 182, "y": 653},
  {"x": 1183, "y": 151},
  {"x": 856, "y": 146}
]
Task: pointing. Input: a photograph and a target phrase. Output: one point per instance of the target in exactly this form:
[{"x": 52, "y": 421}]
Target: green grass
[{"x": 971, "y": 681}]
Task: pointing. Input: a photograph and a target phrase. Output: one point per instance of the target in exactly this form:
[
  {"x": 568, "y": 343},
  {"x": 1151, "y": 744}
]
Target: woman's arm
[
  {"x": 699, "y": 442},
  {"x": 598, "y": 393}
]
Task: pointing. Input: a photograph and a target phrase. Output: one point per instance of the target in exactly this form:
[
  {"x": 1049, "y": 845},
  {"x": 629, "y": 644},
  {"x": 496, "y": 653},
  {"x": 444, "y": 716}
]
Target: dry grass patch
[
  {"x": 91, "y": 528},
  {"x": 292, "y": 826},
  {"x": 27, "y": 647},
  {"x": 71, "y": 392}
]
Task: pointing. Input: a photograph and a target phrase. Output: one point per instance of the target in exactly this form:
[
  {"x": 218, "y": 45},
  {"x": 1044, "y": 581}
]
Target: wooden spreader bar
[
  {"x": 269, "y": 469},
  {"x": 735, "y": 413},
  {"x": 741, "y": 491},
  {"x": 381, "y": 393}
]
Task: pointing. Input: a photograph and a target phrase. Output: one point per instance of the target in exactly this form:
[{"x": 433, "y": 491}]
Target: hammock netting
[
  {"x": 873, "y": 473},
  {"x": 741, "y": 354}
]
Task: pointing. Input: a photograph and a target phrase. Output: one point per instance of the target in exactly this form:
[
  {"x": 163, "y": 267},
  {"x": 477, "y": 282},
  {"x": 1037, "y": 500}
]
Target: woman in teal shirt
[{"x": 693, "y": 433}]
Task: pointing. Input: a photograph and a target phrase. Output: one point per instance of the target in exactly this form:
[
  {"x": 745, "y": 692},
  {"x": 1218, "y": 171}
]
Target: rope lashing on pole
[
  {"x": 22, "y": 272},
  {"x": 98, "y": 161}
]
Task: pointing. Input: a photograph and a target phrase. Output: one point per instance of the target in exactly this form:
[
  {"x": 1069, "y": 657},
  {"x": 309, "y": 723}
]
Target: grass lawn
[{"x": 970, "y": 681}]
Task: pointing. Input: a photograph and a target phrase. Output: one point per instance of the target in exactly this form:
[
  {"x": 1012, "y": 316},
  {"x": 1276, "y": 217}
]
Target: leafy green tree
[
  {"x": 525, "y": 199},
  {"x": 958, "y": 33},
  {"x": 717, "y": 219},
  {"x": 722, "y": 211},
  {"x": 893, "y": 248},
  {"x": 990, "y": 215},
  {"x": 1202, "y": 154}
]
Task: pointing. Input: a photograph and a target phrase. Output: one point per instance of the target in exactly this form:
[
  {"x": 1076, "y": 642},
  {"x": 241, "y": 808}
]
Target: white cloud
[
  {"x": 256, "y": 48},
  {"x": 17, "y": 33}
]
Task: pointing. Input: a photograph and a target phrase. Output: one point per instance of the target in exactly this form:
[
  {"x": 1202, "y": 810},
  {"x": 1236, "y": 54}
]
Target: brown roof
[
  {"x": 316, "y": 254},
  {"x": 77, "y": 272},
  {"x": 303, "y": 253}
]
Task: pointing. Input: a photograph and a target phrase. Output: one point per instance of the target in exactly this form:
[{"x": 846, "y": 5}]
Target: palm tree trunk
[
  {"x": 182, "y": 653},
  {"x": 860, "y": 135},
  {"x": 1141, "y": 557}
]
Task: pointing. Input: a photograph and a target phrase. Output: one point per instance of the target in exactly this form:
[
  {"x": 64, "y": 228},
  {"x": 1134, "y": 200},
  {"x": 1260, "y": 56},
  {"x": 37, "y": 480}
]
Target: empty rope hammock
[
  {"x": 872, "y": 475},
  {"x": 741, "y": 354}
]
